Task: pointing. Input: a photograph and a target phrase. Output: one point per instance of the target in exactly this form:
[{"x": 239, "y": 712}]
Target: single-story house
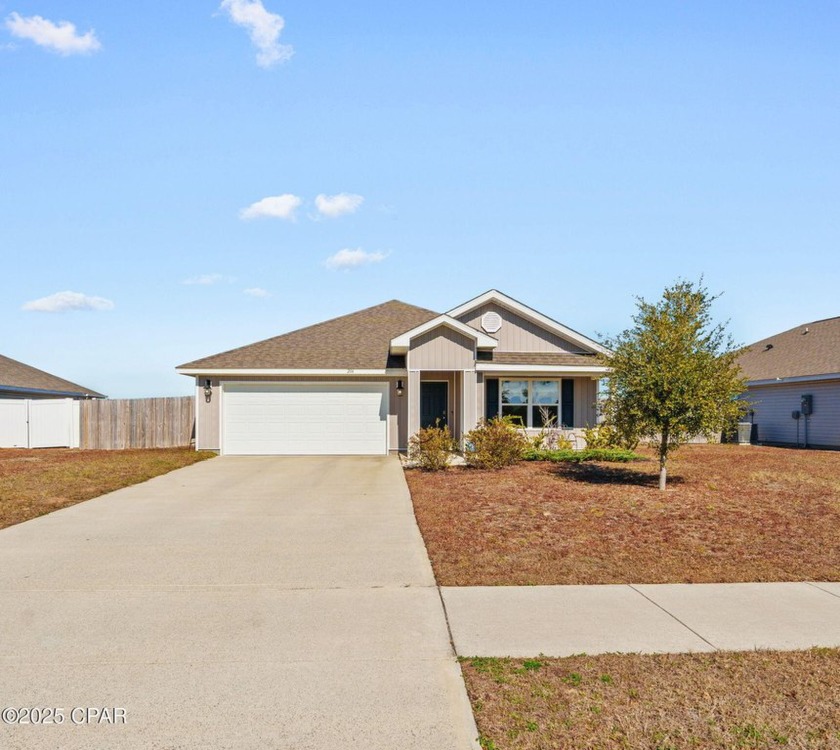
[
  {"x": 794, "y": 385},
  {"x": 39, "y": 410},
  {"x": 364, "y": 382},
  {"x": 18, "y": 380}
]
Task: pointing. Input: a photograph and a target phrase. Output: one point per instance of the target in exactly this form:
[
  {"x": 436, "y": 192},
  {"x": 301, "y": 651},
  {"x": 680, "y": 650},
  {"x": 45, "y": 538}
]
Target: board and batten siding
[
  {"x": 208, "y": 435},
  {"x": 773, "y": 405},
  {"x": 586, "y": 395},
  {"x": 518, "y": 334},
  {"x": 442, "y": 349}
]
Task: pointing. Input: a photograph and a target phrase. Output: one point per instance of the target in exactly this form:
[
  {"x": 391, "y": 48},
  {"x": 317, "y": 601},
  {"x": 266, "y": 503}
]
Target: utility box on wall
[{"x": 807, "y": 405}]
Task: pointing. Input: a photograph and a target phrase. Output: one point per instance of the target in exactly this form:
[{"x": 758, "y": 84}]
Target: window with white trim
[{"x": 532, "y": 402}]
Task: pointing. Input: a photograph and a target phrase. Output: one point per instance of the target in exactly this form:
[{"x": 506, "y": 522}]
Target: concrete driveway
[{"x": 238, "y": 603}]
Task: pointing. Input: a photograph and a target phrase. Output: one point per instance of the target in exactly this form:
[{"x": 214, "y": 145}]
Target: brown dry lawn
[
  {"x": 721, "y": 700},
  {"x": 731, "y": 513},
  {"x": 35, "y": 482}
]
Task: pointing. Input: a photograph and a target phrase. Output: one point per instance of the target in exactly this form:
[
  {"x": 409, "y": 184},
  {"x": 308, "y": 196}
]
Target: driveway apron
[{"x": 253, "y": 602}]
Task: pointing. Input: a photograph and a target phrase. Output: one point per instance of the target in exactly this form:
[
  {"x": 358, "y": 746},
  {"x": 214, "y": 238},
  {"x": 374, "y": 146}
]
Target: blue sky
[{"x": 573, "y": 155}]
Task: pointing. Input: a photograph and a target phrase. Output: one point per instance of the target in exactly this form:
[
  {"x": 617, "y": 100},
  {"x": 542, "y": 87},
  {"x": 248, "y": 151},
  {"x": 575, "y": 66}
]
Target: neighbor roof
[
  {"x": 16, "y": 376},
  {"x": 359, "y": 341},
  {"x": 809, "y": 349}
]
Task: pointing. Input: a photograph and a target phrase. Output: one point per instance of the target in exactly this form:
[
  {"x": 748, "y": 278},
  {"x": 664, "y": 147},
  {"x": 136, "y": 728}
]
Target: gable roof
[
  {"x": 809, "y": 349},
  {"x": 358, "y": 341},
  {"x": 17, "y": 377},
  {"x": 494, "y": 295},
  {"x": 400, "y": 344}
]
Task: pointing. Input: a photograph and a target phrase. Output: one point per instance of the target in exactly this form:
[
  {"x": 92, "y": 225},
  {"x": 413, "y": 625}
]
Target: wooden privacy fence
[{"x": 116, "y": 424}]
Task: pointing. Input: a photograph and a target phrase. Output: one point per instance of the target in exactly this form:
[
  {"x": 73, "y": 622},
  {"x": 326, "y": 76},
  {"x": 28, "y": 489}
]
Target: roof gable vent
[{"x": 491, "y": 322}]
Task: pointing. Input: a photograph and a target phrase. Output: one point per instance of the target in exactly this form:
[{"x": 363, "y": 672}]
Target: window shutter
[
  {"x": 567, "y": 416},
  {"x": 491, "y": 397}
]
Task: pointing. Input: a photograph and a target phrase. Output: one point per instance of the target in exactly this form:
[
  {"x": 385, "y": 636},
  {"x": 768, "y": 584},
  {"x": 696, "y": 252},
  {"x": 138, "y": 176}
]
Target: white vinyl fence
[{"x": 39, "y": 423}]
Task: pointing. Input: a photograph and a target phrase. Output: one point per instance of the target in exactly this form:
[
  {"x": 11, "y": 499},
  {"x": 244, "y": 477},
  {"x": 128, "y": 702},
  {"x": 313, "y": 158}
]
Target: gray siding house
[
  {"x": 363, "y": 383},
  {"x": 794, "y": 373}
]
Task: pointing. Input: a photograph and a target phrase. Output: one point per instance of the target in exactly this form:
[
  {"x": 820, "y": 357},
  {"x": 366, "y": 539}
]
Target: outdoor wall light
[
  {"x": 208, "y": 391},
  {"x": 400, "y": 389}
]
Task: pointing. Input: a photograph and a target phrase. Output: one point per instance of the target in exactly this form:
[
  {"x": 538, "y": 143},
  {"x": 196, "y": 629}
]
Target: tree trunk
[{"x": 663, "y": 457}]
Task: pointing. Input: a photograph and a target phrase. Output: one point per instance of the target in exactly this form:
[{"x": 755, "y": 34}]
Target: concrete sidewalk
[
  {"x": 246, "y": 603},
  {"x": 522, "y": 621}
]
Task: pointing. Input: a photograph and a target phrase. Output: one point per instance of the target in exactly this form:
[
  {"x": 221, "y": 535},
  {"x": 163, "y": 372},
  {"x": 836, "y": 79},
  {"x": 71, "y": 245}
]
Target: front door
[{"x": 434, "y": 403}]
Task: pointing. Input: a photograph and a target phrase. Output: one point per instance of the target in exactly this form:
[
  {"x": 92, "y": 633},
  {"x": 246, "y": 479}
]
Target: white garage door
[{"x": 304, "y": 418}]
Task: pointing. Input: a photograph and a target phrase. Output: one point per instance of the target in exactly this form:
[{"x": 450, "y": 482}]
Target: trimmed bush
[
  {"x": 609, "y": 455},
  {"x": 431, "y": 447},
  {"x": 495, "y": 443}
]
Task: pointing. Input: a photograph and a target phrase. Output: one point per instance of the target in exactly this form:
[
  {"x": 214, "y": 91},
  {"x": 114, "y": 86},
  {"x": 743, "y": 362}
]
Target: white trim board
[
  {"x": 287, "y": 372},
  {"x": 796, "y": 379}
]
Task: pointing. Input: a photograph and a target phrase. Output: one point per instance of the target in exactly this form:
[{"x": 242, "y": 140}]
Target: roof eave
[
  {"x": 289, "y": 372},
  {"x": 795, "y": 379},
  {"x": 599, "y": 370},
  {"x": 50, "y": 392}
]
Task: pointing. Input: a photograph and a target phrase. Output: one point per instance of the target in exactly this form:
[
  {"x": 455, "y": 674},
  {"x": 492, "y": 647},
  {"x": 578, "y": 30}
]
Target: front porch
[{"x": 461, "y": 398}]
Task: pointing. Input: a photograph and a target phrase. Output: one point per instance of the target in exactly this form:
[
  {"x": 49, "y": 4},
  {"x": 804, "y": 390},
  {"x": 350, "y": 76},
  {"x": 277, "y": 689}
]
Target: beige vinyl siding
[
  {"x": 398, "y": 418},
  {"x": 773, "y": 405},
  {"x": 441, "y": 349},
  {"x": 207, "y": 436},
  {"x": 585, "y": 407},
  {"x": 207, "y": 418},
  {"x": 518, "y": 334}
]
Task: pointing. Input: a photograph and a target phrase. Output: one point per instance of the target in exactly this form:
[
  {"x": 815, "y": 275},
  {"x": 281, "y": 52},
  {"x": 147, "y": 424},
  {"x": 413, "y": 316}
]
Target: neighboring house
[
  {"x": 363, "y": 383},
  {"x": 38, "y": 410},
  {"x": 18, "y": 380},
  {"x": 794, "y": 373}
]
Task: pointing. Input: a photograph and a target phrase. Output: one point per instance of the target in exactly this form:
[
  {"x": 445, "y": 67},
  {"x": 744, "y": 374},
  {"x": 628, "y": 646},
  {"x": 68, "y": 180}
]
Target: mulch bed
[{"x": 730, "y": 514}]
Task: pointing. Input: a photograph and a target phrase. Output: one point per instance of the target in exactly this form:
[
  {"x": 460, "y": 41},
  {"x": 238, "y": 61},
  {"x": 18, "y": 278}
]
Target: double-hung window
[{"x": 533, "y": 403}]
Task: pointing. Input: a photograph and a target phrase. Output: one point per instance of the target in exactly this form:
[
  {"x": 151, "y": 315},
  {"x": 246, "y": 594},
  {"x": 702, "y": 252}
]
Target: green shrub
[
  {"x": 495, "y": 443},
  {"x": 431, "y": 447},
  {"x": 610, "y": 455},
  {"x": 606, "y": 436}
]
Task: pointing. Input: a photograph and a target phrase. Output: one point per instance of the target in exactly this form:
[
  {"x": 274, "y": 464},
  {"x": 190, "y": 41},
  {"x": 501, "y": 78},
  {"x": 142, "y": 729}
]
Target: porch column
[
  {"x": 413, "y": 402},
  {"x": 469, "y": 410}
]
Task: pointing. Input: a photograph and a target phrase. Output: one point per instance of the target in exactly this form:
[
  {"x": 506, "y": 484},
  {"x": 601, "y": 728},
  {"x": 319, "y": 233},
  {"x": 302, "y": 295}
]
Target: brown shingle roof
[
  {"x": 809, "y": 349},
  {"x": 16, "y": 375},
  {"x": 359, "y": 341},
  {"x": 542, "y": 358}
]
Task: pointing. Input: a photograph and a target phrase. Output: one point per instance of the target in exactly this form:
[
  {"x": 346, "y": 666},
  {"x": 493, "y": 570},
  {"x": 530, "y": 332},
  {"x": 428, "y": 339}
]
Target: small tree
[{"x": 673, "y": 374}]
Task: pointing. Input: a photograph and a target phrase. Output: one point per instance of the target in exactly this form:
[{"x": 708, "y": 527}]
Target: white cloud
[
  {"x": 347, "y": 259},
  {"x": 66, "y": 301},
  {"x": 263, "y": 27},
  {"x": 338, "y": 205},
  {"x": 60, "y": 37},
  {"x": 275, "y": 206},
  {"x": 204, "y": 279},
  {"x": 256, "y": 292}
]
